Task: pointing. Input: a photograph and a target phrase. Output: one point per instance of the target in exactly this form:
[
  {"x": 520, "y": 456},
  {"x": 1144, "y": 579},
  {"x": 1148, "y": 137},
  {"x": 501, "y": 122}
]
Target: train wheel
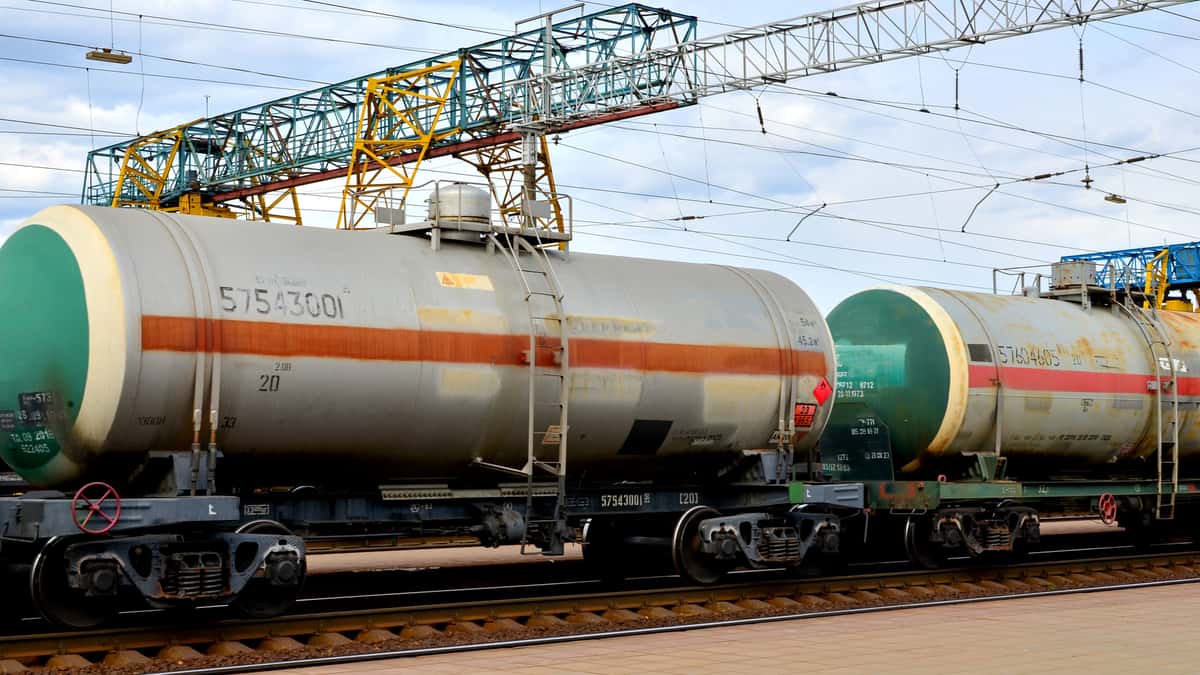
[
  {"x": 56, "y": 600},
  {"x": 921, "y": 551},
  {"x": 690, "y": 562},
  {"x": 1020, "y": 551},
  {"x": 1143, "y": 531},
  {"x": 261, "y": 599}
]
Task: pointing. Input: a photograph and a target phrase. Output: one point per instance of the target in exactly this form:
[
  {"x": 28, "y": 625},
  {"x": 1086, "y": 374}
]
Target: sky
[{"x": 906, "y": 179}]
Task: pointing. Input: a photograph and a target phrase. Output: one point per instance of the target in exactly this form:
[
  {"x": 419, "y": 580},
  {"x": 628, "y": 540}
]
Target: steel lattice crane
[{"x": 493, "y": 104}]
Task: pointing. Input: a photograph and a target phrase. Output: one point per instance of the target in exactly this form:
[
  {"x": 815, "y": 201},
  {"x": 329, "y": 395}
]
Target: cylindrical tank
[
  {"x": 1075, "y": 384},
  {"x": 369, "y": 357}
]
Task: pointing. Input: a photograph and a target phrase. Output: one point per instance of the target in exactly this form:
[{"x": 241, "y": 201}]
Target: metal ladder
[
  {"x": 1167, "y": 449},
  {"x": 548, "y": 358}
]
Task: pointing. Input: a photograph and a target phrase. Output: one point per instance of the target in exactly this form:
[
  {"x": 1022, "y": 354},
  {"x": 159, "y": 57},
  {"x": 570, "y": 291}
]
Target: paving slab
[{"x": 1119, "y": 632}]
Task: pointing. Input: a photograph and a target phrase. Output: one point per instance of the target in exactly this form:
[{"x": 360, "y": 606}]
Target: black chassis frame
[{"x": 155, "y": 543}]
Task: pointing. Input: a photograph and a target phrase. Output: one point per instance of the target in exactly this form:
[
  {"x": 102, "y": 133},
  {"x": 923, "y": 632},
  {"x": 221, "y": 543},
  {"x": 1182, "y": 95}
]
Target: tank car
[
  {"x": 968, "y": 414},
  {"x": 238, "y": 383}
]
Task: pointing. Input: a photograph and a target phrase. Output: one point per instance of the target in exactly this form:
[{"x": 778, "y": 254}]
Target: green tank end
[
  {"x": 892, "y": 359},
  {"x": 44, "y": 340}
]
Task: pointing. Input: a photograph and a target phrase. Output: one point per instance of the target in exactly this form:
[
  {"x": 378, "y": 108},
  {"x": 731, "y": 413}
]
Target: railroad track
[
  {"x": 364, "y": 634},
  {"x": 399, "y": 588}
]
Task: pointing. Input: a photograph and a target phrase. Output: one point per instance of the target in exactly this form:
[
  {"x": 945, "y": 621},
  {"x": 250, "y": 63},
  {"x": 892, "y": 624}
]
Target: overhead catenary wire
[
  {"x": 401, "y": 17},
  {"x": 137, "y": 119},
  {"x": 38, "y": 192},
  {"x": 1085, "y": 143},
  {"x": 794, "y": 206},
  {"x": 1074, "y": 143},
  {"x": 183, "y": 78},
  {"x": 91, "y": 122},
  {"x": 1071, "y": 142},
  {"x": 170, "y": 59},
  {"x": 1002, "y": 192},
  {"x": 677, "y": 196},
  {"x": 726, "y": 238},
  {"x": 48, "y": 1},
  {"x": 996, "y": 141},
  {"x": 198, "y": 24},
  {"x": 13, "y": 120},
  {"x": 741, "y": 209},
  {"x": 1156, "y": 54},
  {"x": 726, "y": 253},
  {"x": 23, "y": 165},
  {"x": 42, "y": 0}
]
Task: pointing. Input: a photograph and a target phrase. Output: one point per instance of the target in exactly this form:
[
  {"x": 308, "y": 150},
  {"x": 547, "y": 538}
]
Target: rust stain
[
  {"x": 464, "y": 318},
  {"x": 1184, "y": 327},
  {"x": 188, "y": 334},
  {"x": 610, "y": 326},
  {"x": 1085, "y": 346}
]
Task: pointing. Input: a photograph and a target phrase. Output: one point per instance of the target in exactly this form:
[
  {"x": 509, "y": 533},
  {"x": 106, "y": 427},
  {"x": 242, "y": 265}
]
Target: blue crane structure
[
  {"x": 309, "y": 137},
  {"x": 589, "y": 69},
  {"x": 1125, "y": 270}
]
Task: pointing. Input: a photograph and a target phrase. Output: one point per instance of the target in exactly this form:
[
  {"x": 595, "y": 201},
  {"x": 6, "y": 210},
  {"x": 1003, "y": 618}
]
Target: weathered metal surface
[
  {"x": 919, "y": 494},
  {"x": 1075, "y": 384},
  {"x": 381, "y": 359}
]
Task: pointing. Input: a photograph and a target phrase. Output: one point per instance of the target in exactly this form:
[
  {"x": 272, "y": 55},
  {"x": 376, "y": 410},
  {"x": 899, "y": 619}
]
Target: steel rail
[
  {"x": 653, "y": 630},
  {"x": 589, "y": 612}
]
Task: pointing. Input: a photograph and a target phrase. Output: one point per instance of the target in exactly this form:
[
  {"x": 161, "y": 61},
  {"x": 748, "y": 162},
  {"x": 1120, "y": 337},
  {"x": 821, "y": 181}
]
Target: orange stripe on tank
[
  {"x": 1082, "y": 381},
  {"x": 263, "y": 338}
]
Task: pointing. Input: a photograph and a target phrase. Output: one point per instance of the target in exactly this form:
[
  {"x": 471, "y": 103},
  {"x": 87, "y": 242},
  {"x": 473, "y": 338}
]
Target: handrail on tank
[
  {"x": 1021, "y": 272},
  {"x": 497, "y": 220}
]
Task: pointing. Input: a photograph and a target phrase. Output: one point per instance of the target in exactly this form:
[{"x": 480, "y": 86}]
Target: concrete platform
[{"x": 1120, "y": 632}]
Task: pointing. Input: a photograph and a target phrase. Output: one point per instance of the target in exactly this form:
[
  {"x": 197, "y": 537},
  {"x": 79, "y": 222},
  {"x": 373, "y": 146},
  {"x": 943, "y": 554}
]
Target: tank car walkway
[{"x": 1137, "y": 630}]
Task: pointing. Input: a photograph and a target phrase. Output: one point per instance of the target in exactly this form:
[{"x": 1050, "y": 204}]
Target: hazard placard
[
  {"x": 822, "y": 391},
  {"x": 805, "y": 413},
  {"x": 553, "y": 435}
]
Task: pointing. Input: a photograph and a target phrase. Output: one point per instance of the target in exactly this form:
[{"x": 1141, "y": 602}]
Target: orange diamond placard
[
  {"x": 822, "y": 391},
  {"x": 805, "y": 414}
]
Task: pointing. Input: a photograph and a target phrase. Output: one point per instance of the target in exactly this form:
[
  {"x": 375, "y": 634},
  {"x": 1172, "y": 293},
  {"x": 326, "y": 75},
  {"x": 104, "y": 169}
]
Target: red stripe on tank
[
  {"x": 1049, "y": 379},
  {"x": 262, "y": 338}
]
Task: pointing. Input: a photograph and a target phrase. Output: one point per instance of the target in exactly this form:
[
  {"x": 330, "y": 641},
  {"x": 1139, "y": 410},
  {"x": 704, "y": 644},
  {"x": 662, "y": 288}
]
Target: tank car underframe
[
  {"x": 752, "y": 523},
  {"x": 978, "y": 517},
  {"x": 171, "y": 551}
]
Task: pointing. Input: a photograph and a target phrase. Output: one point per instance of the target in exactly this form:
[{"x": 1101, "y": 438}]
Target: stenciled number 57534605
[{"x": 281, "y": 302}]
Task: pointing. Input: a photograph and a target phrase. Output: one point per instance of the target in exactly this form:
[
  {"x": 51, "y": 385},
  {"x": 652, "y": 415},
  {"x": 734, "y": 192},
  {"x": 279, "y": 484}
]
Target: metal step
[
  {"x": 541, "y": 267},
  {"x": 1166, "y": 425}
]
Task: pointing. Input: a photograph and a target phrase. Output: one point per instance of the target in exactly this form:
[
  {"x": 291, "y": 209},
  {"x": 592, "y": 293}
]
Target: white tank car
[
  {"x": 365, "y": 357},
  {"x": 1061, "y": 389}
]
